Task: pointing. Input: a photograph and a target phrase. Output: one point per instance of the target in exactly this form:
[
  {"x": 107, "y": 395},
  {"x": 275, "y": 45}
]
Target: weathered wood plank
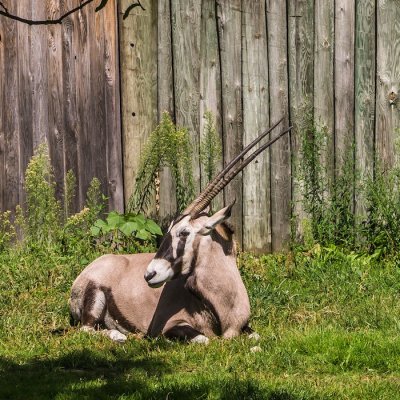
[
  {"x": 138, "y": 44},
  {"x": 112, "y": 108},
  {"x": 301, "y": 87},
  {"x": 388, "y": 84},
  {"x": 25, "y": 94},
  {"x": 279, "y": 151},
  {"x": 55, "y": 96},
  {"x": 344, "y": 81},
  {"x": 186, "y": 24},
  {"x": 70, "y": 111},
  {"x": 324, "y": 114},
  {"x": 38, "y": 66},
  {"x": 11, "y": 112},
  {"x": 165, "y": 95},
  {"x": 365, "y": 83},
  {"x": 96, "y": 97},
  {"x": 2, "y": 122},
  {"x": 81, "y": 51},
  {"x": 257, "y": 236},
  {"x": 210, "y": 81},
  {"x": 230, "y": 35}
]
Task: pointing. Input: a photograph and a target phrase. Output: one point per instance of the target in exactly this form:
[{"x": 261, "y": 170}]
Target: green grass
[{"x": 329, "y": 325}]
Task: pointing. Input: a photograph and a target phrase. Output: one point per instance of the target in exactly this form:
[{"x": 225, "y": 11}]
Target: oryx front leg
[{"x": 186, "y": 333}]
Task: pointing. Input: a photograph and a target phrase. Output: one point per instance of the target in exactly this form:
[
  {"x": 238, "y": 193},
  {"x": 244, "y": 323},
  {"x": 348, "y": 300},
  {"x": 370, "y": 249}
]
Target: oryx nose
[{"x": 149, "y": 275}]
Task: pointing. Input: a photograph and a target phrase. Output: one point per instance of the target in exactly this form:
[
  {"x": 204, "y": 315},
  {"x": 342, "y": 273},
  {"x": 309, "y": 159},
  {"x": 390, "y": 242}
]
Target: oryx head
[{"x": 177, "y": 251}]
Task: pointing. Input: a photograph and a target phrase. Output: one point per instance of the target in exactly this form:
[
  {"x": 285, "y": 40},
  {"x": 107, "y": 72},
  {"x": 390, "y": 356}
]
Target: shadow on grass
[{"x": 86, "y": 375}]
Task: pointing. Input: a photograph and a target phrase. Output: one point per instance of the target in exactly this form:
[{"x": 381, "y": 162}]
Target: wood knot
[{"x": 392, "y": 98}]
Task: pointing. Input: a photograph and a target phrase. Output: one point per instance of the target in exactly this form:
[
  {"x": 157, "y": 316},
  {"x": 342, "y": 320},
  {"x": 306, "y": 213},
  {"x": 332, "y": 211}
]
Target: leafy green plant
[
  {"x": 169, "y": 146},
  {"x": 126, "y": 232}
]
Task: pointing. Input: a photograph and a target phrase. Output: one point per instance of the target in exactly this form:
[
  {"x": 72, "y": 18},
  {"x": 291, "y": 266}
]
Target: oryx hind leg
[
  {"x": 186, "y": 333},
  {"x": 94, "y": 313}
]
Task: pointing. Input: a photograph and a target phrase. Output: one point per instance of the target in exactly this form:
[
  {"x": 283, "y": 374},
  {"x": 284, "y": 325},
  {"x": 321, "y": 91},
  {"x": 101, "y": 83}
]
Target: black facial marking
[{"x": 166, "y": 251}]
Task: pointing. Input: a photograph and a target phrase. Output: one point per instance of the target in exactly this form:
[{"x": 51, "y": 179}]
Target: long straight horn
[{"x": 225, "y": 176}]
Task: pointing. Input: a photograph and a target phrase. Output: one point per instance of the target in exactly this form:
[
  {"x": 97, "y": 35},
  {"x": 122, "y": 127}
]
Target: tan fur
[{"x": 212, "y": 299}]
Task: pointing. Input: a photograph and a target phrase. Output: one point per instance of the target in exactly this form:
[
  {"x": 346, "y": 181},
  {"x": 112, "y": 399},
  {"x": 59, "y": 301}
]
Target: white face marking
[{"x": 163, "y": 272}]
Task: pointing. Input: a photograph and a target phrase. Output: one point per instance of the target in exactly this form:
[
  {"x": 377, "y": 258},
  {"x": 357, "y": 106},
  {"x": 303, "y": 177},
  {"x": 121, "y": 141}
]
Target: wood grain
[
  {"x": 210, "y": 81},
  {"x": 112, "y": 109},
  {"x": 301, "y": 96},
  {"x": 138, "y": 45},
  {"x": 70, "y": 111},
  {"x": 10, "y": 113},
  {"x": 165, "y": 94},
  {"x": 257, "y": 235},
  {"x": 388, "y": 83},
  {"x": 55, "y": 96},
  {"x": 280, "y": 150},
  {"x": 365, "y": 83},
  {"x": 324, "y": 112},
  {"x": 24, "y": 101},
  {"x": 186, "y": 17},
  {"x": 230, "y": 35},
  {"x": 344, "y": 81}
]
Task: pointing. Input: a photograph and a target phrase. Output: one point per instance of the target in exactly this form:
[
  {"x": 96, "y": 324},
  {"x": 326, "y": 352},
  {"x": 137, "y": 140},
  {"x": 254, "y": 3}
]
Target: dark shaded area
[{"x": 67, "y": 375}]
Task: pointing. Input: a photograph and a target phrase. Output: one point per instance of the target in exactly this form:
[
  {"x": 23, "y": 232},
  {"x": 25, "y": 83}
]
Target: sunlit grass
[{"x": 329, "y": 326}]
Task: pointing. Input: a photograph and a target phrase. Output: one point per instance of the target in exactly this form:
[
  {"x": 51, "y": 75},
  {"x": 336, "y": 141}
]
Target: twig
[{"x": 4, "y": 12}]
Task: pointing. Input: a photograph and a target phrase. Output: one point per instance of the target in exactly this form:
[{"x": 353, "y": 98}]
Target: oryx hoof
[
  {"x": 200, "y": 339},
  {"x": 255, "y": 336},
  {"x": 116, "y": 336}
]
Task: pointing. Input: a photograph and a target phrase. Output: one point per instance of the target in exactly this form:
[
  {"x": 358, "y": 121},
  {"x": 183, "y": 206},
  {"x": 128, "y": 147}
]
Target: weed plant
[
  {"x": 169, "y": 146},
  {"x": 328, "y": 199}
]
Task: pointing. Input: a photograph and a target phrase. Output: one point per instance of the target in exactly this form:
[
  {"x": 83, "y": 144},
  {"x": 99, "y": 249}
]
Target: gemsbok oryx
[{"x": 189, "y": 289}]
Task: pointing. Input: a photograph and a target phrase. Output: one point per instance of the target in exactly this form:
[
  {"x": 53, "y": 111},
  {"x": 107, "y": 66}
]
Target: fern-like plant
[{"x": 169, "y": 146}]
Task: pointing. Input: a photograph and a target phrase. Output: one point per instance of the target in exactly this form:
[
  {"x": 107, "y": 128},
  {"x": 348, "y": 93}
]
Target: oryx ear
[{"x": 216, "y": 219}]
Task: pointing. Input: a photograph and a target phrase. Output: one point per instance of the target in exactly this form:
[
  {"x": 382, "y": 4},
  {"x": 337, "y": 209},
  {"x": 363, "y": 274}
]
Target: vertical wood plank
[
  {"x": 38, "y": 64},
  {"x": 388, "y": 84},
  {"x": 344, "y": 80},
  {"x": 365, "y": 83},
  {"x": 280, "y": 150},
  {"x": 81, "y": 51},
  {"x": 257, "y": 236},
  {"x": 210, "y": 81},
  {"x": 11, "y": 112},
  {"x": 301, "y": 87},
  {"x": 165, "y": 95},
  {"x": 112, "y": 108},
  {"x": 138, "y": 44},
  {"x": 96, "y": 97},
  {"x": 230, "y": 35},
  {"x": 324, "y": 114},
  {"x": 55, "y": 96},
  {"x": 2, "y": 117},
  {"x": 186, "y": 17},
  {"x": 70, "y": 112},
  {"x": 25, "y": 94}
]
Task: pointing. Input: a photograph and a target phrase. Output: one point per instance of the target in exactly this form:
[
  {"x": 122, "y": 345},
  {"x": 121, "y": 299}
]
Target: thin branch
[{"x": 4, "y": 12}]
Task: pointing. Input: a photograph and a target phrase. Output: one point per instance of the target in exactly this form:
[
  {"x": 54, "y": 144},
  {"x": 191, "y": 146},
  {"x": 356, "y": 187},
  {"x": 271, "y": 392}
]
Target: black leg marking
[
  {"x": 247, "y": 330},
  {"x": 182, "y": 332}
]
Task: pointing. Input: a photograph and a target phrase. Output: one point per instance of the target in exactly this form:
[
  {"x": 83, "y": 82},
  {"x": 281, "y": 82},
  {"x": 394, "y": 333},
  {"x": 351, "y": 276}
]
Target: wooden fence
[
  {"x": 60, "y": 84},
  {"x": 248, "y": 61}
]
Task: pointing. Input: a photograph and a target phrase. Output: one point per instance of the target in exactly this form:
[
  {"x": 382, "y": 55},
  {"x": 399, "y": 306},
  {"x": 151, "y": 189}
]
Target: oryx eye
[{"x": 184, "y": 233}]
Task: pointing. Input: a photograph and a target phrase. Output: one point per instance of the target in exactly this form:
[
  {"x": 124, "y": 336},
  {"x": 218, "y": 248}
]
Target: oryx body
[
  {"x": 203, "y": 295},
  {"x": 207, "y": 298}
]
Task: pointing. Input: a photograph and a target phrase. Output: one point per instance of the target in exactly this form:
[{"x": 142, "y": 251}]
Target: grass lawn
[{"x": 329, "y": 326}]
